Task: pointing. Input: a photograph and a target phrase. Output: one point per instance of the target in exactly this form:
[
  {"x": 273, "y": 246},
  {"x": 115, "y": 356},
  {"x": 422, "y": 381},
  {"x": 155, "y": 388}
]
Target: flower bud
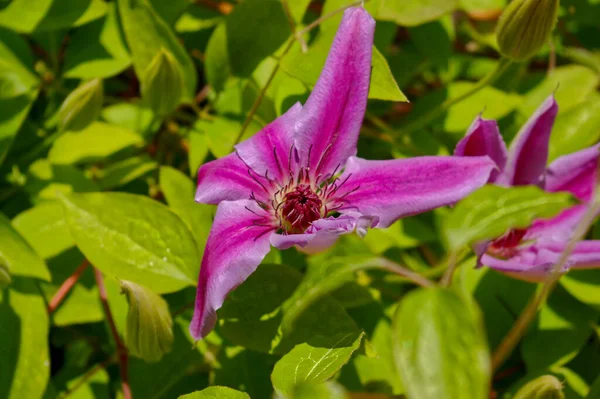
[
  {"x": 82, "y": 106},
  {"x": 149, "y": 330},
  {"x": 5, "y": 279},
  {"x": 544, "y": 387},
  {"x": 525, "y": 26},
  {"x": 162, "y": 85}
]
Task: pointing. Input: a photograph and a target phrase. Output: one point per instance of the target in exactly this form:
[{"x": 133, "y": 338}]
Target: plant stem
[
  {"x": 452, "y": 265},
  {"x": 520, "y": 326},
  {"x": 284, "y": 52},
  {"x": 66, "y": 287},
  {"x": 121, "y": 349},
  {"x": 406, "y": 273},
  {"x": 430, "y": 116}
]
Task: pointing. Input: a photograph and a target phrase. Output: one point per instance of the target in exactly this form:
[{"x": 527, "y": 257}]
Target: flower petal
[
  {"x": 328, "y": 129},
  {"x": 228, "y": 179},
  {"x": 393, "y": 189},
  {"x": 528, "y": 153},
  {"x": 268, "y": 151},
  {"x": 575, "y": 173},
  {"x": 484, "y": 138},
  {"x": 558, "y": 228},
  {"x": 236, "y": 246},
  {"x": 534, "y": 263},
  {"x": 323, "y": 233}
]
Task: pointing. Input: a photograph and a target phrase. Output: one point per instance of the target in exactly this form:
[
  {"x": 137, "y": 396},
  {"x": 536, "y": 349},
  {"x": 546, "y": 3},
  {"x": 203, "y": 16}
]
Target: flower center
[
  {"x": 506, "y": 245},
  {"x": 299, "y": 208}
]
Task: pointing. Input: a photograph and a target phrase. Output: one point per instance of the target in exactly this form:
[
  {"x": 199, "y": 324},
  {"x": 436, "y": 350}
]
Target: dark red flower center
[
  {"x": 506, "y": 245},
  {"x": 299, "y": 208}
]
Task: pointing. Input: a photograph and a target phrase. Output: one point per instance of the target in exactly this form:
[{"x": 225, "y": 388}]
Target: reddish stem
[
  {"x": 66, "y": 287},
  {"x": 121, "y": 349}
]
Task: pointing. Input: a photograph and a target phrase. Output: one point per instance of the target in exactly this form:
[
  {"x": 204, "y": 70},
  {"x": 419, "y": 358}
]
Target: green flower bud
[
  {"x": 149, "y": 330},
  {"x": 525, "y": 26},
  {"x": 162, "y": 85},
  {"x": 544, "y": 387},
  {"x": 82, "y": 106},
  {"x": 5, "y": 279}
]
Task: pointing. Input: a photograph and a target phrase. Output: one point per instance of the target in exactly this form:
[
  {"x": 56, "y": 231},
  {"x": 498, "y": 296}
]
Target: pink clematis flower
[
  {"x": 528, "y": 254},
  {"x": 298, "y": 183}
]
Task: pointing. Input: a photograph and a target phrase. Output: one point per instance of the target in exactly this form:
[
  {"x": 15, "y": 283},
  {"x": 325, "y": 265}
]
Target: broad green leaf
[
  {"x": 44, "y": 180},
  {"x": 440, "y": 346},
  {"x": 25, "y": 365},
  {"x": 179, "y": 192},
  {"x": 45, "y": 229},
  {"x": 251, "y": 315},
  {"x": 253, "y": 31},
  {"x": 17, "y": 255},
  {"x": 97, "y": 50},
  {"x": 27, "y": 16},
  {"x": 482, "y": 6},
  {"x": 17, "y": 87},
  {"x": 322, "y": 279},
  {"x": 154, "y": 380},
  {"x": 310, "y": 364},
  {"x": 147, "y": 33},
  {"x": 132, "y": 116},
  {"x": 576, "y": 128},
  {"x": 571, "y": 85},
  {"x": 96, "y": 142},
  {"x": 89, "y": 387},
  {"x": 132, "y": 237},
  {"x": 123, "y": 172},
  {"x": 216, "y": 393},
  {"x": 298, "y": 9},
  {"x": 583, "y": 285},
  {"x": 492, "y": 210},
  {"x": 414, "y": 12},
  {"x": 245, "y": 370},
  {"x": 307, "y": 68},
  {"x": 561, "y": 330},
  {"x": 326, "y": 390},
  {"x": 198, "y": 150}
]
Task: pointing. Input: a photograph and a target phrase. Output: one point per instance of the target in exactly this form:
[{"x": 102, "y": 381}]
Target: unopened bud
[
  {"x": 82, "y": 106},
  {"x": 162, "y": 84},
  {"x": 545, "y": 387},
  {"x": 149, "y": 330},
  {"x": 525, "y": 26},
  {"x": 5, "y": 279}
]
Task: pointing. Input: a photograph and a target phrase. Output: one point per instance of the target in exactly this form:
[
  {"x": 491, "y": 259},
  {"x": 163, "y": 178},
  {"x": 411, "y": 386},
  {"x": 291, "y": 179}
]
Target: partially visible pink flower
[
  {"x": 298, "y": 182},
  {"x": 528, "y": 254}
]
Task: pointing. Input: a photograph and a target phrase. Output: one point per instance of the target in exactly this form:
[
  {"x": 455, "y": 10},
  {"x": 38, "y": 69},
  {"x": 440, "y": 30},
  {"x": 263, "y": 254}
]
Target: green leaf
[
  {"x": 481, "y": 6},
  {"x": 27, "y": 16},
  {"x": 440, "y": 347},
  {"x": 96, "y": 142},
  {"x": 17, "y": 255},
  {"x": 309, "y": 364},
  {"x": 414, "y": 12},
  {"x": 216, "y": 393},
  {"x": 126, "y": 171},
  {"x": 571, "y": 85},
  {"x": 326, "y": 390},
  {"x": 132, "y": 116},
  {"x": 492, "y": 210},
  {"x": 251, "y": 315},
  {"x": 97, "y": 49},
  {"x": 147, "y": 33},
  {"x": 25, "y": 365},
  {"x": 562, "y": 329},
  {"x": 245, "y": 370},
  {"x": 576, "y": 128},
  {"x": 322, "y": 279},
  {"x": 132, "y": 237},
  {"x": 253, "y": 31},
  {"x": 583, "y": 285},
  {"x": 307, "y": 67},
  {"x": 44, "y": 180},
  {"x": 179, "y": 192},
  {"x": 44, "y": 227}
]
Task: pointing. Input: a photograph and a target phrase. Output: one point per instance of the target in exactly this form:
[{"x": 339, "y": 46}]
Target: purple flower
[
  {"x": 298, "y": 183},
  {"x": 528, "y": 254}
]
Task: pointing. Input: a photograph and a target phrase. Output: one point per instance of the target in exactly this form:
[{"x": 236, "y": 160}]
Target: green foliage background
[{"x": 119, "y": 194}]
